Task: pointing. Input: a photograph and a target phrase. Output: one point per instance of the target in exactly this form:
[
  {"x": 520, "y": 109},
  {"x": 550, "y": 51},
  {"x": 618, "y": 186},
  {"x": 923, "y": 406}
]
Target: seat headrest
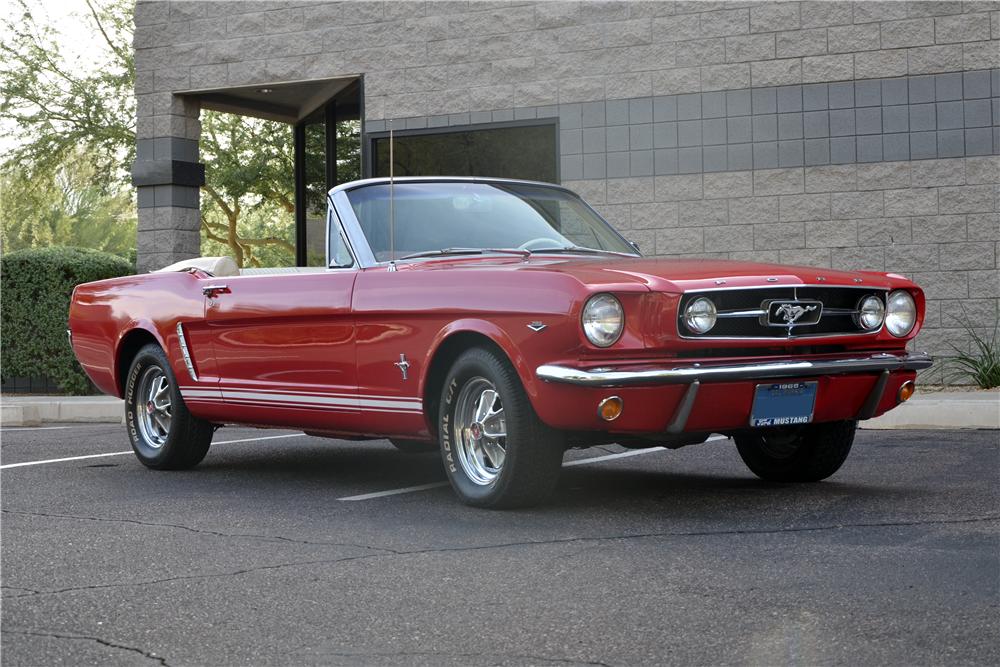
[{"x": 217, "y": 266}]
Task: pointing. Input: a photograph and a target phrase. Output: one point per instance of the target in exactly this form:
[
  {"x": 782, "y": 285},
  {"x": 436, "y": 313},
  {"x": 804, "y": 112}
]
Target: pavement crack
[
  {"x": 104, "y": 642},
  {"x": 212, "y": 575},
  {"x": 382, "y": 552},
  {"x": 200, "y": 531}
]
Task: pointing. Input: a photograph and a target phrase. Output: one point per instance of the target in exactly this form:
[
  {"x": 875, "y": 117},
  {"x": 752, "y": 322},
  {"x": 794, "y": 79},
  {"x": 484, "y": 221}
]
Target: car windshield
[{"x": 463, "y": 217}]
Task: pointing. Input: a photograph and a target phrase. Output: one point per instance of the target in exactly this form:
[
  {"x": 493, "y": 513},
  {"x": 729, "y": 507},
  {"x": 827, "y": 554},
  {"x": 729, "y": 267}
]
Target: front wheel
[
  {"x": 496, "y": 451},
  {"x": 164, "y": 434},
  {"x": 797, "y": 454}
]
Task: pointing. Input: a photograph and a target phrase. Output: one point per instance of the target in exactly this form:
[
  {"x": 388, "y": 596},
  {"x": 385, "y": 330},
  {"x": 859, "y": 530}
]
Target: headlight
[
  {"x": 700, "y": 315},
  {"x": 900, "y": 313},
  {"x": 871, "y": 312},
  {"x": 603, "y": 320}
]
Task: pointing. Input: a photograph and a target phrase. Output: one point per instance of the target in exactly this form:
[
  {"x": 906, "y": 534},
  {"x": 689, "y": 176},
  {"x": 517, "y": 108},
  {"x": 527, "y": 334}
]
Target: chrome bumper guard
[{"x": 603, "y": 377}]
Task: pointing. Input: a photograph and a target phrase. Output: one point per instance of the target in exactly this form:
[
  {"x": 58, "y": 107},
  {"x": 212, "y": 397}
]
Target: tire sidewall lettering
[
  {"x": 445, "y": 427},
  {"x": 131, "y": 407}
]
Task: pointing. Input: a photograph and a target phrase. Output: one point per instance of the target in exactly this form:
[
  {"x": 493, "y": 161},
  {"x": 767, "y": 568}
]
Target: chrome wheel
[
  {"x": 480, "y": 431},
  {"x": 153, "y": 407}
]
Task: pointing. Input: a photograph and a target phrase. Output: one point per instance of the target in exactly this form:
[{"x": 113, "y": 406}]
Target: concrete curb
[
  {"x": 36, "y": 410},
  {"x": 944, "y": 410}
]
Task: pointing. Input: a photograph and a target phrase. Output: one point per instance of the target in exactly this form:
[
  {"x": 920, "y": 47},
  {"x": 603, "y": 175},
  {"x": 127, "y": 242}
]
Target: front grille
[
  {"x": 746, "y": 313},
  {"x": 770, "y": 351}
]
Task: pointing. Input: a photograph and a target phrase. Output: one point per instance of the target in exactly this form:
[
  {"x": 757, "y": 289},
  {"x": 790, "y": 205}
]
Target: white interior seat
[{"x": 217, "y": 266}]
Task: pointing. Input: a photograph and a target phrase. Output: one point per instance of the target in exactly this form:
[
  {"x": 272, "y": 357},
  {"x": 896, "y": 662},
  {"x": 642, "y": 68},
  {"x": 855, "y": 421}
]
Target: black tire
[
  {"x": 802, "y": 454},
  {"x": 414, "y": 446},
  {"x": 533, "y": 452},
  {"x": 185, "y": 440}
]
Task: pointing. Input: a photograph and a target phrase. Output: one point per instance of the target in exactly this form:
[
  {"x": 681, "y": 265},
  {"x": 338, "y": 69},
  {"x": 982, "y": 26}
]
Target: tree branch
[{"x": 100, "y": 27}]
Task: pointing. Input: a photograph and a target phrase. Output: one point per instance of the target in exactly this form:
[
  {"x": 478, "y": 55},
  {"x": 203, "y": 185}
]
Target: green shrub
[
  {"x": 34, "y": 306},
  {"x": 981, "y": 364}
]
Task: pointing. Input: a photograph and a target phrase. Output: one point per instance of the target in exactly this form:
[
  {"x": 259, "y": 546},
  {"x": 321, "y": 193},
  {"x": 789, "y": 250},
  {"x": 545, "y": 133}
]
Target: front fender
[{"x": 497, "y": 335}]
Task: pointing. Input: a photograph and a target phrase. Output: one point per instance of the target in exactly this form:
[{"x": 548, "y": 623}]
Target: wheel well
[
  {"x": 133, "y": 341},
  {"x": 446, "y": 354}
]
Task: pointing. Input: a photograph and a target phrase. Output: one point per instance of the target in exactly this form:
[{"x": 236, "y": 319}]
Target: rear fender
[{"x": 123, "y": 350}]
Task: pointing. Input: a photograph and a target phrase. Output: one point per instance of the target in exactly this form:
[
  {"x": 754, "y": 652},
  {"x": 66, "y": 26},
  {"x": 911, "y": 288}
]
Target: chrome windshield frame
[{"x": 363, "y": 253}]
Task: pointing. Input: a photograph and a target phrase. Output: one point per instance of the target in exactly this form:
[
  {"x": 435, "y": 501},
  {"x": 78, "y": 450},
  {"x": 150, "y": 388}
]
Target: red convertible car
[{"x": 501, "y": 322}]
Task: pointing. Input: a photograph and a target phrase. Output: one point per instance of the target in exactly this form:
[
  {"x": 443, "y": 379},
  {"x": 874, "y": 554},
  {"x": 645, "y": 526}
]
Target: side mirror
[{"x": 634, "y": 245}]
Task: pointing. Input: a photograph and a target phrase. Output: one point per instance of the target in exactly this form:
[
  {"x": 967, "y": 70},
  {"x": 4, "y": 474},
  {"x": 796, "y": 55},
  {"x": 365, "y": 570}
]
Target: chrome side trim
[
  {"x": 727, "y": 314},
  {"x": 750, "y": 371},
  {"x": 185, "y": 353}
]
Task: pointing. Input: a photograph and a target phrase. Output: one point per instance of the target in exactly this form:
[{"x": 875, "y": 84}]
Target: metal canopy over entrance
[{"x": 326, "y": 116}]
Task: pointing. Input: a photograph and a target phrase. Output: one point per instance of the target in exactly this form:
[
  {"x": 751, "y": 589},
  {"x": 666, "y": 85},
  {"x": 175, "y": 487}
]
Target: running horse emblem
[{"x": 791, "y": 312}]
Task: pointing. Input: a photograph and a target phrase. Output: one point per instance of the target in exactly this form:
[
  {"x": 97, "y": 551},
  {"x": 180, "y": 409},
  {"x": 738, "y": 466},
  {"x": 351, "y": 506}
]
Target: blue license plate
[{"x": 783, "y": 403}]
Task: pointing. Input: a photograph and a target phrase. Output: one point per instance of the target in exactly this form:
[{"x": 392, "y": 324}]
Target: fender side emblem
[
  {"x": 403, "y": 365},
  {"x": 536, "y": 326}
]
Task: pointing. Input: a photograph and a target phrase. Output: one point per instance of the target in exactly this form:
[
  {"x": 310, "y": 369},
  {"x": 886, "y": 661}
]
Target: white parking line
[
  {"x": 395, "y": 492},
  {"x": 97, "y": 456},
  {"x": 41, "y": 428},
  {"x": 631, "y": 452},
  {"x": 577, "y": 462},
  {"x": 266, "y": 437}
]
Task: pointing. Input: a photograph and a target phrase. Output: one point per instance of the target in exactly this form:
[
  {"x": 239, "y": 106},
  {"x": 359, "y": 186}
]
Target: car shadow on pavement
[
  {"x": 338, "y": 469},
  {"x": 705, "y": 493}
]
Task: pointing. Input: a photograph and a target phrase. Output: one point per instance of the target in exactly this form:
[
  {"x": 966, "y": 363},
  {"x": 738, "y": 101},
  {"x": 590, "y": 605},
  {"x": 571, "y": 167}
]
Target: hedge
[{"x": 36, "y": 288}]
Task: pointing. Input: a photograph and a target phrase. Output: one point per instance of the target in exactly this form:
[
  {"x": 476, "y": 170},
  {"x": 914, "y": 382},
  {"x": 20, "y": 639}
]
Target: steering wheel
[{"x": 545, "y": 243}]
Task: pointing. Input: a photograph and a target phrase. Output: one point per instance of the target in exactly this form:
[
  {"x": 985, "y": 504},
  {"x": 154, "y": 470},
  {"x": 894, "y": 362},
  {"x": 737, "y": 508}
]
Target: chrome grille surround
[{"x": 745, "y": 313}]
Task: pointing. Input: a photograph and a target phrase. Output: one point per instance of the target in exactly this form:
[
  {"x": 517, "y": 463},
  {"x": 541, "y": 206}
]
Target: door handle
[{"x": 214, "y": 290}]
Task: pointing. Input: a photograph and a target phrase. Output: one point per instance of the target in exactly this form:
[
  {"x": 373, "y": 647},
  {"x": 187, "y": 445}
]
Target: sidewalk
[
  {"x": 938, "y": 410},
  {"x": 944, "y": 410},
  {"x": 36, "y": 410}
]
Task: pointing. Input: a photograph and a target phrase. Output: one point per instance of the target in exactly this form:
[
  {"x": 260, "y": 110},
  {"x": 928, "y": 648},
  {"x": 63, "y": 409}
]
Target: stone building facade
[{"x": 834, "y": 134}]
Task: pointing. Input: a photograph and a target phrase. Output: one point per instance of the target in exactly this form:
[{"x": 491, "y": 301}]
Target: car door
[{"x": 284, "y": 347}]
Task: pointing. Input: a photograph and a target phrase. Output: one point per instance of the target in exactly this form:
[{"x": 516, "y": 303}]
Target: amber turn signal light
[
  {"x": 906, "y": 390},
  {"x": 610, "y": 408}
]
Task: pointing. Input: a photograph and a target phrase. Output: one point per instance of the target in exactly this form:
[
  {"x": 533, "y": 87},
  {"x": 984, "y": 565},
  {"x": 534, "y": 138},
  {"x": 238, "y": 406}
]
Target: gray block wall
[{"x": 838, "y": 134}]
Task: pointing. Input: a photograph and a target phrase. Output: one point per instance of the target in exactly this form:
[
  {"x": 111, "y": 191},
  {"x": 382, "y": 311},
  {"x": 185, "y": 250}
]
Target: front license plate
[{"x": 783, "y": 403}]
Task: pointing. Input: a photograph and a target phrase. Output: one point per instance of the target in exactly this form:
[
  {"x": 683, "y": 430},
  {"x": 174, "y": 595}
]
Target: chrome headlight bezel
[
  {"x": 701, "y": 307},
  {"x": 900, "y": 313},
  {"x": 603, "y": 320},
  {"x": 869, "y": 306}
]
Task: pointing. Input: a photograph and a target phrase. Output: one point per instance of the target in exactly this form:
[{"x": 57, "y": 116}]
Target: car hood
[{"x": 669, "y": 275}]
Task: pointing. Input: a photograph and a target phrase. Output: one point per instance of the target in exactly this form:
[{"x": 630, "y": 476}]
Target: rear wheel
[
  {"x": 797, "y": 454},
  {"x": 496, "y": 451},
  {"x": 164, "y": 434}
]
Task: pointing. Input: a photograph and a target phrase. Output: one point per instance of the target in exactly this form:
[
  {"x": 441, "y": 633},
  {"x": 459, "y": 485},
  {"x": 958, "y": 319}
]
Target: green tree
[
  {"x": 249, "y": 180},
  {"x": 67, "y": 207},
  {"x": 53, "y": 111}
]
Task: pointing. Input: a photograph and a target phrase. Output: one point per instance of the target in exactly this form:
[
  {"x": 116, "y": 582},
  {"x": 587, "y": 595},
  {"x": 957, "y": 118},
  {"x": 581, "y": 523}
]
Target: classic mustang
[{"x": 501, "y": 322}]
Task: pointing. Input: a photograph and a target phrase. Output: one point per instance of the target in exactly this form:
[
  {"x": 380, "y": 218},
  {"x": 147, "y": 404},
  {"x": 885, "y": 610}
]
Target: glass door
[{"x": 327, "y": 153}]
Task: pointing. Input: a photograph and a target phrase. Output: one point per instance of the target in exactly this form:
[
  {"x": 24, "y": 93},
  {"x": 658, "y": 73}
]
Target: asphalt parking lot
[{"x": 289, "y": 550}]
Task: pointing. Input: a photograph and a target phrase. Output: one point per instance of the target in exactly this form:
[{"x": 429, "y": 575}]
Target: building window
[{"x": 516, "y": 150}]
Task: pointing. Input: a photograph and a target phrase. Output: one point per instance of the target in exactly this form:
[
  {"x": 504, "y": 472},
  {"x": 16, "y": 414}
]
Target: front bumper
[
  {"x": 699, "y": 397},
  {"x": 608, "y": 377}
]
